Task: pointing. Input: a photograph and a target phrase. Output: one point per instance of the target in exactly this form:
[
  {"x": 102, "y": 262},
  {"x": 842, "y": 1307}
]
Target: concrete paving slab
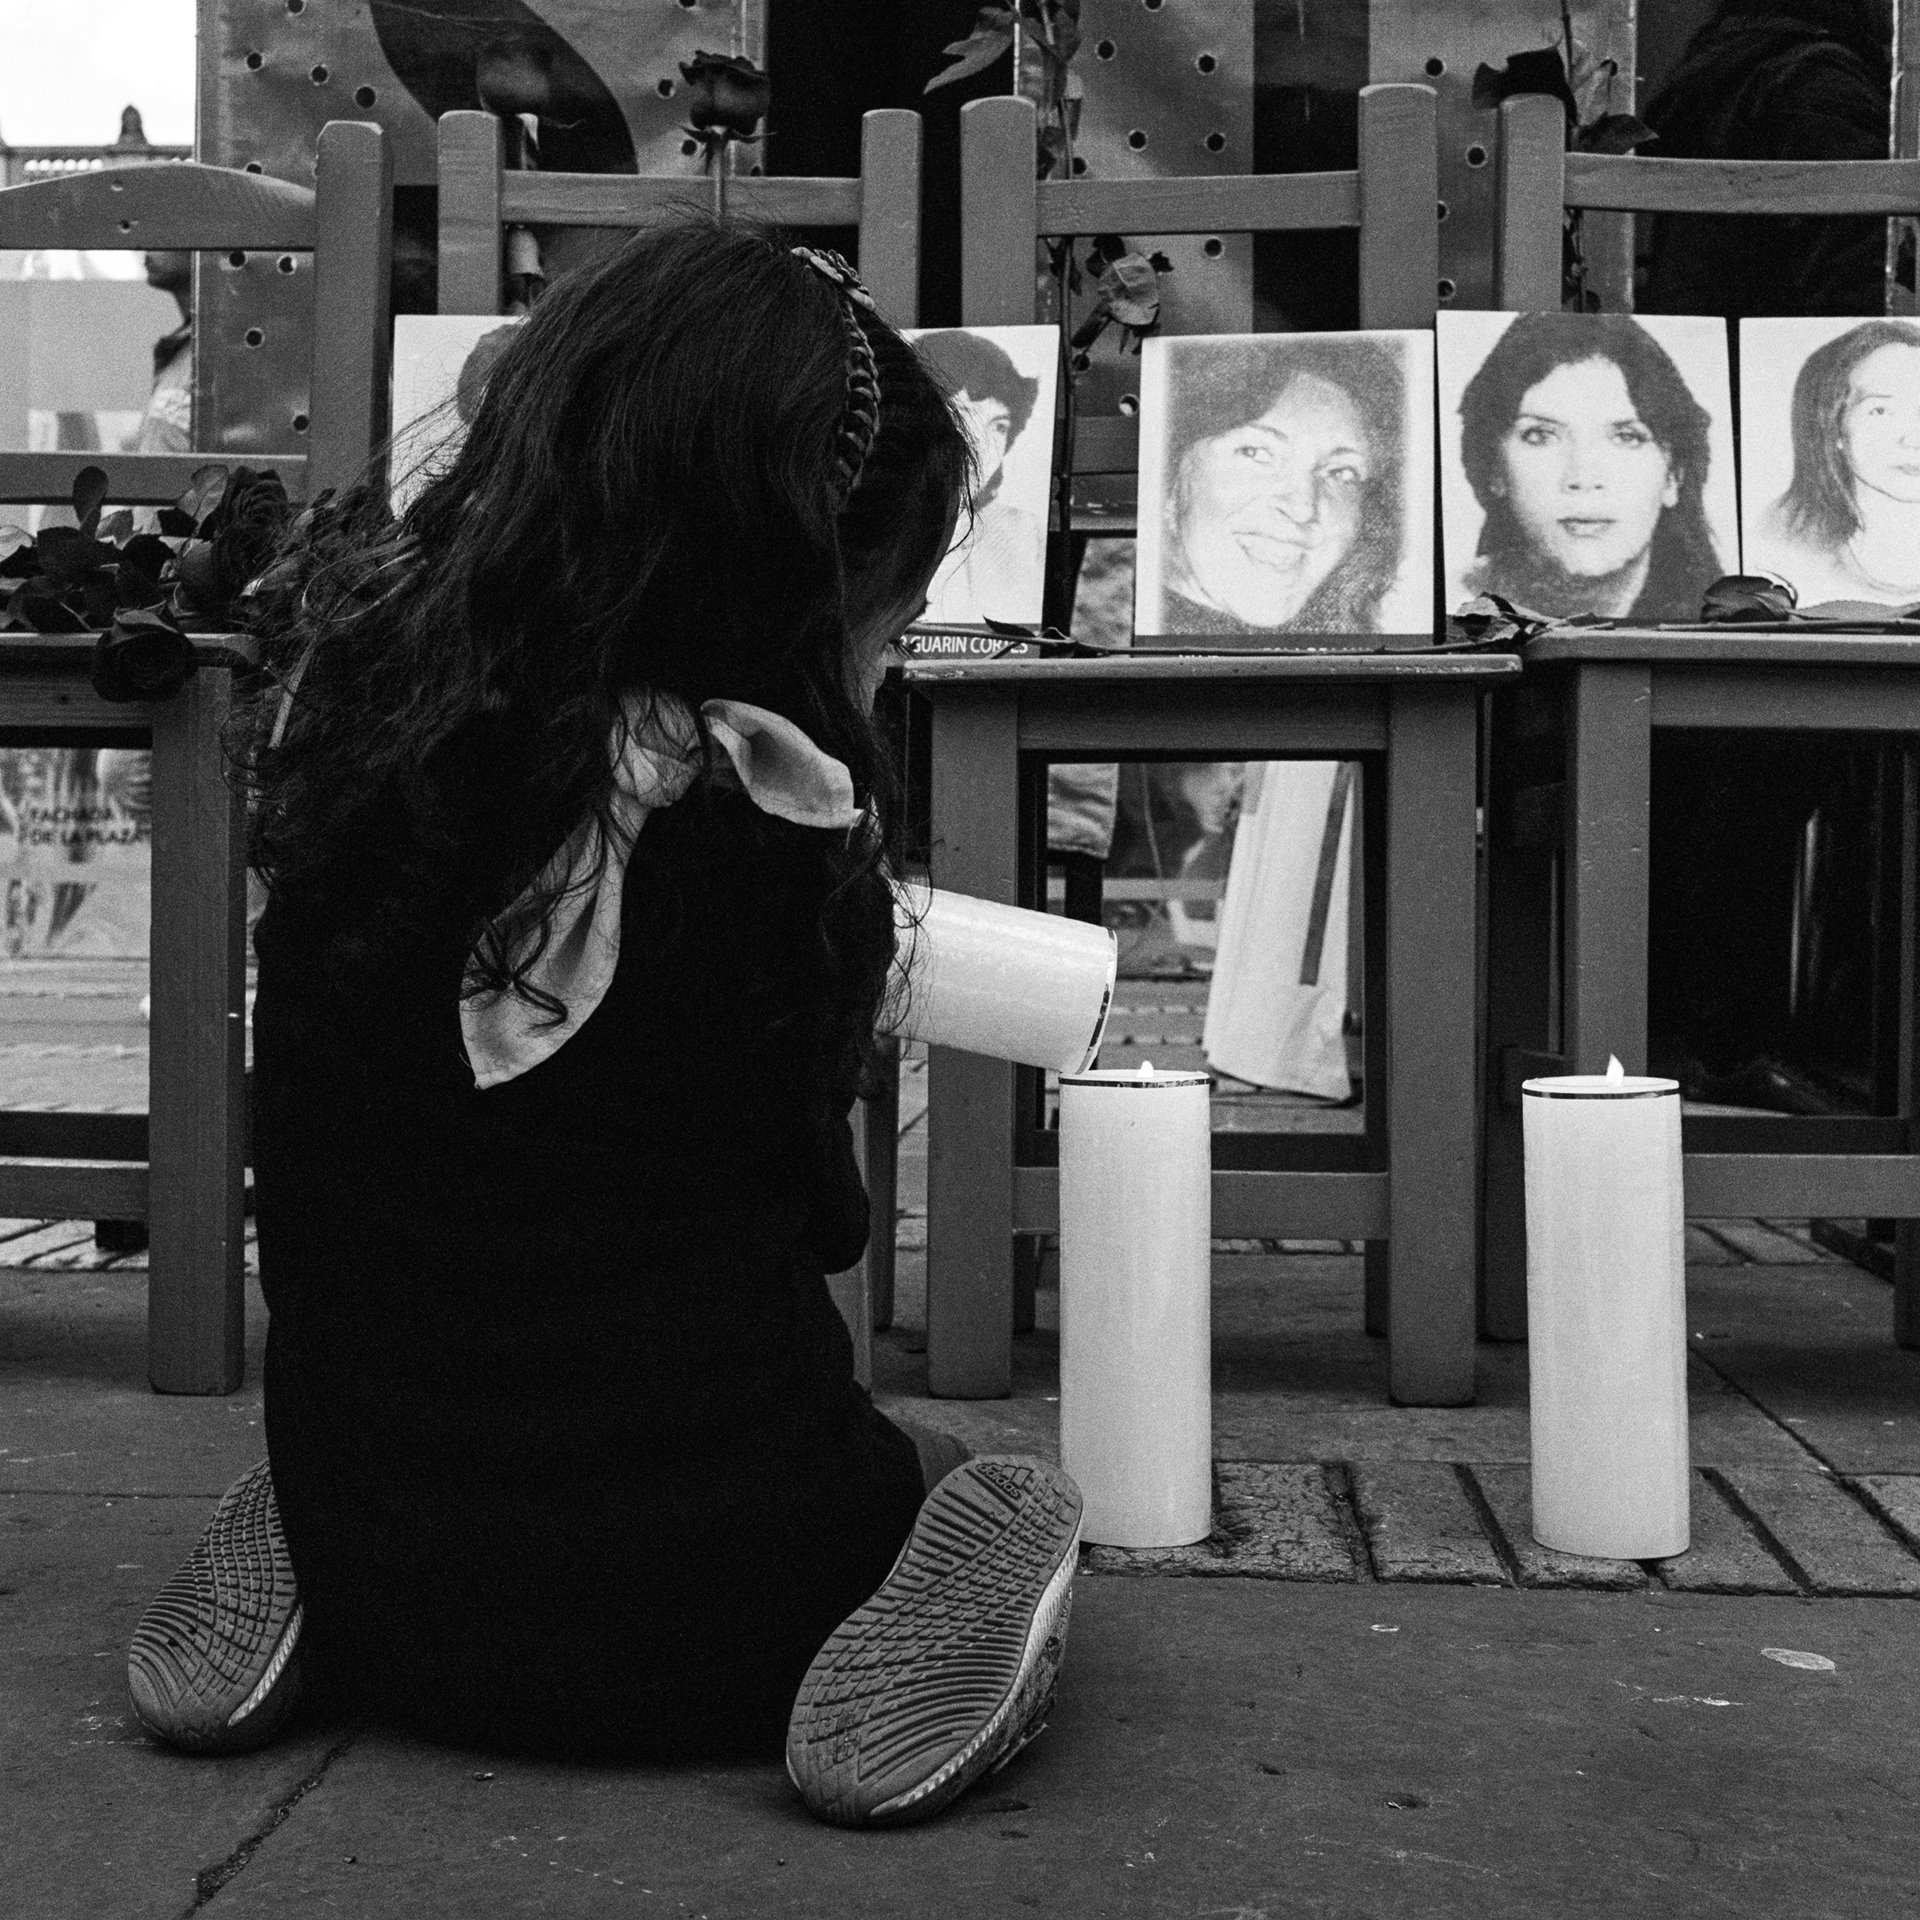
[
  {"x": 1270, "y": 1522},
  {"x": 1825, "y": 1535},
  {"x": 1725, "y": 1555},
  {"x": 76, "y": 1412},
  {"x": 1757, "y": 1242},
  {"x": 1230, "y": 1747},
  {"x": 1508, "y": 1492},
  {"x": 95, "y": 1820},
  {"x": 1895, "y": 1497},
  {"x": 1704, "y": 1250},
  {"x": 1814, "y": 1346},
  {"x": 1421, "y": 1524}
]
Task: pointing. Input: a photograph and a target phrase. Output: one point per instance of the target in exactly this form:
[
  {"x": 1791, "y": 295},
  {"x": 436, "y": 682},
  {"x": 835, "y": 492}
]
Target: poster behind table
[
  {"x": 1586, "y": 462},
  {"x": 1003, "y": 382},
  {"x": 75, "y": 846},
  {"x": 1830, "y": 456},
  {"x": 1286, "y": 490},
  {"x": 440, "y": 367}
]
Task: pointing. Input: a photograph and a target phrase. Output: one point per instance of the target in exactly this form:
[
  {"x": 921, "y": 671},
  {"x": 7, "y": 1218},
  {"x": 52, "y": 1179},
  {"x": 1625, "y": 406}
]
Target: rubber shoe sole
[
  {"x": 948, "y": 1671},
  {"x": 213, "y": 1666}
]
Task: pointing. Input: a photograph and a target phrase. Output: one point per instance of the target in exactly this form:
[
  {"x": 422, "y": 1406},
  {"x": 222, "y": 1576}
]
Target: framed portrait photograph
[
  {"x": 440, "y": 367},
  {"x": 1830, "y": 457},
  {"x": 1586, "y": 462},
  {"x": 1003, "y": 381},
  {"x": 1286, "y": 490}
]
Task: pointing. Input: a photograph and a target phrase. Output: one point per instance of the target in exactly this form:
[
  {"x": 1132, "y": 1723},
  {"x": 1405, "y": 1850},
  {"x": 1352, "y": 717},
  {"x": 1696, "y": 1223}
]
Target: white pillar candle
[
  {"x": 1136, "y": 1375},
  {"x": 1606, "y": 1314},
  {"x": 1005, "y": 981}
]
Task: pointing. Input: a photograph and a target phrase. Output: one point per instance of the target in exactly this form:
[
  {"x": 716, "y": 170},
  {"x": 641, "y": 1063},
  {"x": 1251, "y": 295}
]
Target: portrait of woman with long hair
[
  {"x": 1844, "y": 524},
  {"x": 1284, "y": 485},
  {"x": 1589, "y": 462}
]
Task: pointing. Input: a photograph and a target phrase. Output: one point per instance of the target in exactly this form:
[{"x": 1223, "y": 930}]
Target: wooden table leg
[
  {"x": 976, "y": 840},
  {"x": 880, "y": 1163},
  {"x": 1906, "y": 1233},
  {"x": 1432, "y": 1124},
  {"x": 1609, "y": 758},
  {"x": 196, "y": 1301}
]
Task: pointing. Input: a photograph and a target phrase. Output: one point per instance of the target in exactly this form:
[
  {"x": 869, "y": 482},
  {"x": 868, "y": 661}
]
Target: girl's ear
[{"x": 1676, "y": 479}]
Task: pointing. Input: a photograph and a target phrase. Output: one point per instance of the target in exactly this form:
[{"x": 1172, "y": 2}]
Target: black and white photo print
[
  {"x": 1286, "y": 488},
  {"x": 1586, "y": 462},
  {"x": 440, "y": 366},
  {"x": 1830, "y": 457},
  {"x": 1003, "y": 381}
]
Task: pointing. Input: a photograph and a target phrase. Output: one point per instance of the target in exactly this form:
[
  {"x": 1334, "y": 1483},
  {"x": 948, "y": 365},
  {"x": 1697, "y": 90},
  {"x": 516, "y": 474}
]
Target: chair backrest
[
  {"x": 479, "y": 196},
  {"x": 1392, "y": 198},
  {"x": 343, "y": 220},
  {"x": 1537, "y": 179}
]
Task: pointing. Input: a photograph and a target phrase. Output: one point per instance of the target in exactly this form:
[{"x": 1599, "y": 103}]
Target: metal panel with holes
[
  {"x": 273, "y": 72},
  {"x": 1167, "y": 89},
  {"x": 1442, "y": 42}
]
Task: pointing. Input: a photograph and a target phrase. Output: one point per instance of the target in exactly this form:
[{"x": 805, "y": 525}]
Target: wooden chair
[
  {"x": 1589, "y": 705},
  {"x": 480, "y": 198},
  {"x": 1411, "y": 718},
  {"x": 182, "y": 1168}
]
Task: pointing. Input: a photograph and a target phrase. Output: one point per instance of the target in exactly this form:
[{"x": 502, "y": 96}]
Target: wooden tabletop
[
  {"x": 1119, "y": 669},
  {"x": 1723, "y": 646},
  {"x": 73, "y": 652}
]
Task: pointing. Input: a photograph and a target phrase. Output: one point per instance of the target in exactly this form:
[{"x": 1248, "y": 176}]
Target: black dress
[{"x": 562, "y": 1418}]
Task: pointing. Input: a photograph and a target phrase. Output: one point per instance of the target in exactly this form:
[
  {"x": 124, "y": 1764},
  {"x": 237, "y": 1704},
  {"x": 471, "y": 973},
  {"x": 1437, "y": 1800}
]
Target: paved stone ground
[{"x": 1367, "y": 1694}]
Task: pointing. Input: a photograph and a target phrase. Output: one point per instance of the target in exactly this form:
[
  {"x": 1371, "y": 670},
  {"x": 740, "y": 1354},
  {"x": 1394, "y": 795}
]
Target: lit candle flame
[
  {"x": 1146, "y": 1067},
  {"x": 1615, "y": 1071}
]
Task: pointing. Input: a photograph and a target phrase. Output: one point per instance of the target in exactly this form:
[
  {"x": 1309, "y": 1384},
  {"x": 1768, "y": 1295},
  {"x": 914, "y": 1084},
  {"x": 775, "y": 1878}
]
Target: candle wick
[{"x": 1615, "y": 1071}]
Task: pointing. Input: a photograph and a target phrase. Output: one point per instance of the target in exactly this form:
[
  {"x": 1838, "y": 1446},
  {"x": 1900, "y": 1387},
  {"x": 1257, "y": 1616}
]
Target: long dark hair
[
  {"x": 1220, "y": 388},
  {"x": 967, "y": 362},
  {"x": 1818, "y": 505},
  {"x": 1683, "y": 560},
  {"x": 646, "y": 503}
]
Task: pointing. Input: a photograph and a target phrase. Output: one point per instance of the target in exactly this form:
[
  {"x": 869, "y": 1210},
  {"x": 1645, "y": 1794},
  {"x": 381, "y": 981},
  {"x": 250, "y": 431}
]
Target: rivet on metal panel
[
  {"x": 664, "y": 88},
  {"x": 1436, "y": 67},
  {"x": 364, "y": 96},
  {"x": 1216, "y": 143},
  {"x": 689, "y": 146},
  {"x": 1129, "y": 403},
  {"x": 255, "y": 61},
  {"x": 286, "y": 263},
  {"x": 300, "y": 423},
  {"x": 296, "y": 6},
  {"x": 1476, "y": 155},
  {"x": 1137, "y": 139},
  {"x": 254, "y": 336},
  {"x": 1104, "y": 50},
  {"x": 1442, "y": 210},
  {"x": 1213, "y": 246},
  {"x": 1204, "y": 62},
  {"x": 320, "y": 75},
  {"x": 236, "y": 258},
  {"x": 1447, "y": 289}
]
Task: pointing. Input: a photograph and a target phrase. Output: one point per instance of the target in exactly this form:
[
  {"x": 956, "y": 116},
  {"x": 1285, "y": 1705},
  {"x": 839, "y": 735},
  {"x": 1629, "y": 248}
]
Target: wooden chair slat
[
  {"x": 1529, "y": 190},
  {"x": 179, "y": 205},
  {"x": 999, "y": 212},
  {"x": 351, "y": 339},
  {"x": 889, "y": 212},
  {"x": 137, "y": 479},
  {"x": 1222, "y": 203},
  {"x": 1399, "y": 194},
  {"x": 469, "y": 244},
  {"x": 1628, "y": 183},
  {"x": 632, "y": 200}
]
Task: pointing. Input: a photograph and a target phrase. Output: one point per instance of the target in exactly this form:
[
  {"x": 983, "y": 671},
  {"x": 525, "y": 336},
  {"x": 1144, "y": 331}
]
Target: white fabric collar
[{"x": 656, "y": 755}]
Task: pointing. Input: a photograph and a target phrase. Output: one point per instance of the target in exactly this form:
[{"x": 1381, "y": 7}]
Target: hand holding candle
[{"x": 1606, "y": 1314}]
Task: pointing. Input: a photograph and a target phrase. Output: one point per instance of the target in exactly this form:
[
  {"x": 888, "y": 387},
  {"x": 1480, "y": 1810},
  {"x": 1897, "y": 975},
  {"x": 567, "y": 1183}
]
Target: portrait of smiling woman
[
  {"x": 1284, "y": 485},
  {"x": 1593, "y": 475},
  {"x": 1831, "y": 437}
]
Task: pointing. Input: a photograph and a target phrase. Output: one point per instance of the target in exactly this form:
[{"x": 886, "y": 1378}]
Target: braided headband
[{"x": 860, "y": 423}]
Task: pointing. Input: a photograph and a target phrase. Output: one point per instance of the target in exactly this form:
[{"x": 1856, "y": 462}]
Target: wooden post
[
  {"x": 197, "y": 1131},
  {"x": 1432, "y": 1124},
  {"x": 890, "y": 212},
  {"x": 1906, "y": 1233},
  {"x": 353, "y": 222},
  {"x": 1609, "y": 755},
  {"x": 999, "y": 212},
  {"x": 975, "y": 850},
  {"x": 1530, "y": 200},
  {"x": 1399, "y": 207},
  {"x": 469, "y": 237}
]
